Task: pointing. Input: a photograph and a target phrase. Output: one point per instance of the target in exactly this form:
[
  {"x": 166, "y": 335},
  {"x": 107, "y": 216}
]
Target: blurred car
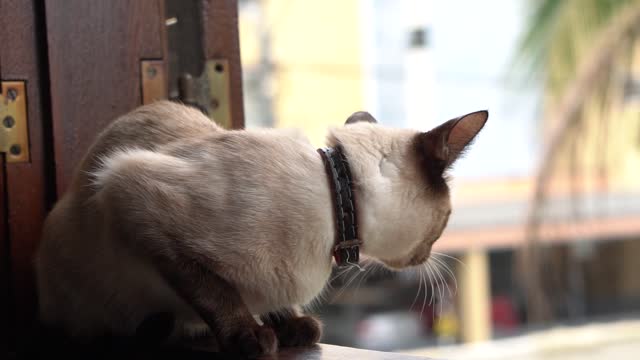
[{"x": 390, "y": 331}]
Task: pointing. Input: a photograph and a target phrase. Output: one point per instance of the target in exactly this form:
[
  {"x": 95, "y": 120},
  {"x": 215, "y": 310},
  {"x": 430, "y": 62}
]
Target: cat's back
[
  {"x": 147, "y": 127},
  {"x": 74, "y": 250},
  {"x": 154, "y": 125},
  {"x": 266, "y": 159}
]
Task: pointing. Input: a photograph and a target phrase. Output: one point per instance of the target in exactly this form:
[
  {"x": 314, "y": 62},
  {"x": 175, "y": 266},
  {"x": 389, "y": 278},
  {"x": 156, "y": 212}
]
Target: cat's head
[{"x": 401, "y": 187}]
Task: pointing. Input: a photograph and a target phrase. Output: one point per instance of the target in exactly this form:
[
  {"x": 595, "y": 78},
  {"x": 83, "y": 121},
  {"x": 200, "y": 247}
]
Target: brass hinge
[
  {"x": 14, "y": 135},
  {"x": 219, "y": 105},
  {"x": 209, "y": 92}
]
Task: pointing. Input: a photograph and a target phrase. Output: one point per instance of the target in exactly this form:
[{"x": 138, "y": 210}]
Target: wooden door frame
[{"x": 27, "y": 190}]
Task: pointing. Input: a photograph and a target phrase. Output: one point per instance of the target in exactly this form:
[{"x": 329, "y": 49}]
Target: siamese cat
[{"x": 230, "y": 232}]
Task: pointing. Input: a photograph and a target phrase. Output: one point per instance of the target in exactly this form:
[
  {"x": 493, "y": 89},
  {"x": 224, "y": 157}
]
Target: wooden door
[
  {"x": 83, "y": 63},
  {"x": 97, "y": 50}
]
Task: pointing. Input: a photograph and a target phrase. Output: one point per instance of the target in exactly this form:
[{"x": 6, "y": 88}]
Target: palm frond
[{"x": 576, "y": 54}]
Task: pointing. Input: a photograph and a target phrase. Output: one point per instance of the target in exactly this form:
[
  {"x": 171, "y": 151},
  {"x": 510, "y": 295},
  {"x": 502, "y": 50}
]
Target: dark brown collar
[{"x": 346, "y": 250}]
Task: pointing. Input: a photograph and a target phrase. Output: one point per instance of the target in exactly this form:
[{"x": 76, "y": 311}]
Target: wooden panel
[
  {"x": 95, "y": 49},
  {"x": 221, "y": 41},
  {"x": 26, "y": 190}
]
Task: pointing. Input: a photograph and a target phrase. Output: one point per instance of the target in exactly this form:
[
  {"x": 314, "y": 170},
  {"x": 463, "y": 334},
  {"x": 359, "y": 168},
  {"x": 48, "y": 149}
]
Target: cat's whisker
[
  {"x": 354, "y": 276},
  {"x": 345, "y": 286},
  {"x": 322, "y": 296},
  {"x": 438, "y": 292},
  {"x": 443, "y": 293},
  {"x": 370, "y": 265},
  {"x": 377, "y": 267},
  {"x": 363, "y": 274},
  {"x": 419, "y": 288},
  {"x": 424, "y": 299},
  {"x": 450, "y": 257},
  {"x": 443, "y": 283},
  {"x": 381, "y": 268},
  {"x": 428, "y": 268},
  {"x": 427, "y": 276},
  {"x": 437, "y": 267},
  {"x": 362, "y": 278},
  {"x": 355, "y": 265},
  {"x": 446, "y": 268},
  {"x": 341, "y": 272},
  {"x": 366, "y": 264}
]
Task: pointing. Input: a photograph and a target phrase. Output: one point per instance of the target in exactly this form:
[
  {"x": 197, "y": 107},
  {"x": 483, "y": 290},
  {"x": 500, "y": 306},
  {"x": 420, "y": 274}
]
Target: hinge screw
[
  {"x": 8, "y": 122},
  {"x": 152, "y": 71},
  {"x": 15, "y": 150},
  {"x": 12, "y": 94}
]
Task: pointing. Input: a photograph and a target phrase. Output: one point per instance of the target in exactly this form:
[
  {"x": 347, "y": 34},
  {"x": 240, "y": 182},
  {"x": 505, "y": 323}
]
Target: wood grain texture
[
  {"x": 221, "y": 40},
  {"x": 95, "y": 48},
  {"x": 26, "y": 183}
]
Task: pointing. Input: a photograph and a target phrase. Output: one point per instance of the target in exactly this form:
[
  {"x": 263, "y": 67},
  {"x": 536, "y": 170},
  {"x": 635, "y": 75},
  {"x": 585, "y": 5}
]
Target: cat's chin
[
  {"x": 405, "y": 263},
  {"x": 396, "y": 264}
]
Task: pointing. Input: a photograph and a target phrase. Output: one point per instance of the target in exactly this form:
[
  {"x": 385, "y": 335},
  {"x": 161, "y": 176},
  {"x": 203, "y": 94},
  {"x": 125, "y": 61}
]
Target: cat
[{"x": 170, "y": 214}]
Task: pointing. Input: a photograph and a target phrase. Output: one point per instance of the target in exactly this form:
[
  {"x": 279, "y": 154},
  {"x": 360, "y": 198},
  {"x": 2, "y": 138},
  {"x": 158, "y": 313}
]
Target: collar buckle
[{"x": 347, "y": 252}]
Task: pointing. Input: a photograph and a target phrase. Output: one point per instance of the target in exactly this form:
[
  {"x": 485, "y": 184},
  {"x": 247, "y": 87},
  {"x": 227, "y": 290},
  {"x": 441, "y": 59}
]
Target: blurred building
[{"x": 416, "y": 63}]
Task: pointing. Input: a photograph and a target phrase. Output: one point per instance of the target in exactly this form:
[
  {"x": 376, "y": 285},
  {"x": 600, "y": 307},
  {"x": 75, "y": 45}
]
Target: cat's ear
[
  {"x": 447, "y": 142},
  {"x": 360, "y": 116}
]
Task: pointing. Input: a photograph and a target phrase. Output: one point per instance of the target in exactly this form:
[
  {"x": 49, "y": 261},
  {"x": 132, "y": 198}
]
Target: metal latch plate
[{"x": 14, "y": 132}]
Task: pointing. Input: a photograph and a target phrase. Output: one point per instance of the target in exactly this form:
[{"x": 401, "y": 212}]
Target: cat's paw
[
  {"x": 253, "y": 341},
  {"x": 299, "y": 331}
]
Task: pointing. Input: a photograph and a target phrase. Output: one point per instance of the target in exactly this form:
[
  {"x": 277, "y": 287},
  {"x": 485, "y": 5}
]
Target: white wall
[{"x": 471, "y": 49}]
